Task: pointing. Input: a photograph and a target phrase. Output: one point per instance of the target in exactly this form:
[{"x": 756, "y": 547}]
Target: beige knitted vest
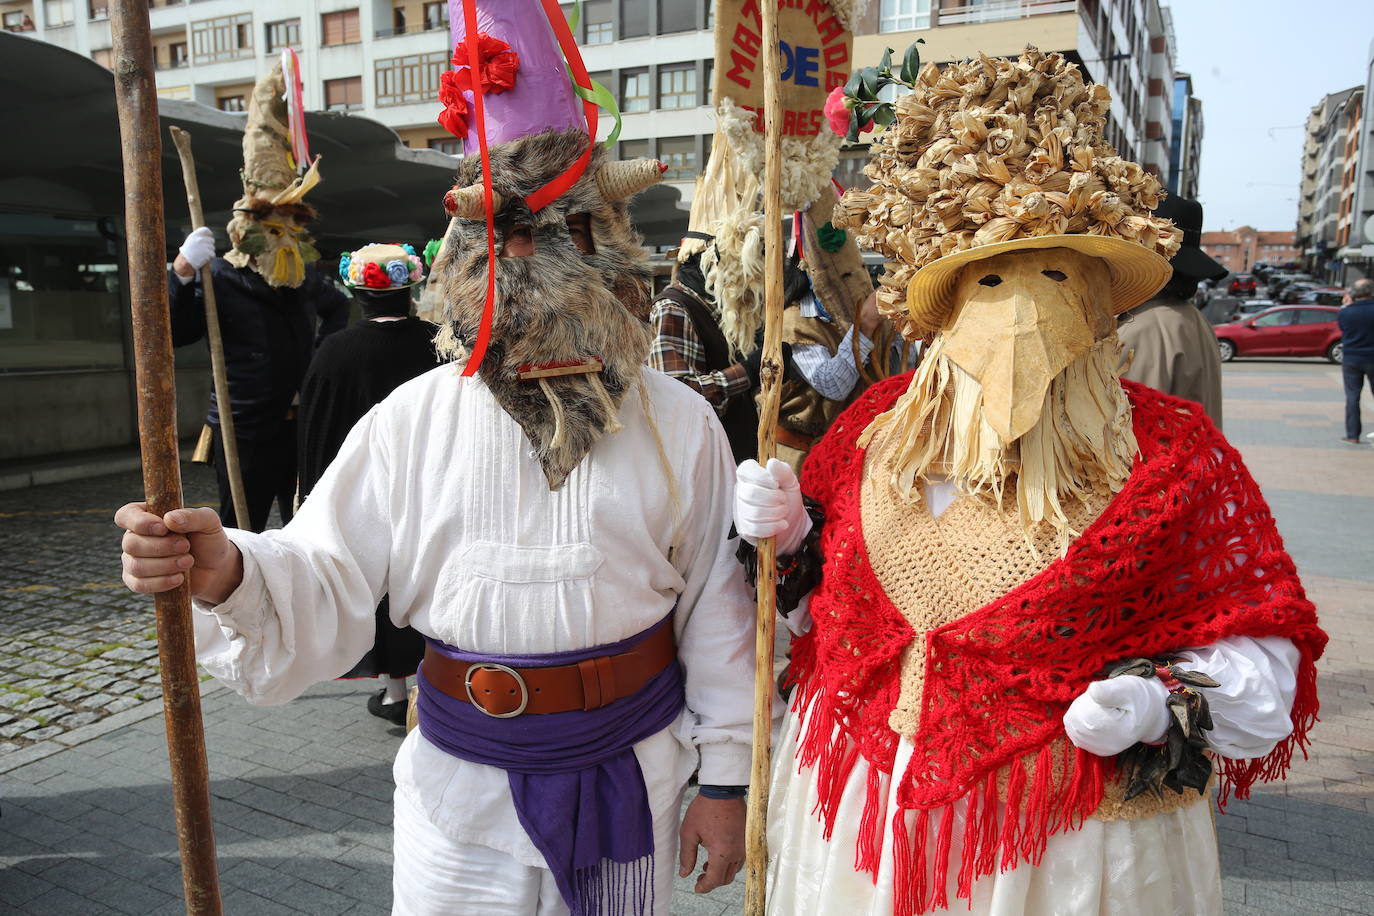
[{"x": 936, "y": 570}]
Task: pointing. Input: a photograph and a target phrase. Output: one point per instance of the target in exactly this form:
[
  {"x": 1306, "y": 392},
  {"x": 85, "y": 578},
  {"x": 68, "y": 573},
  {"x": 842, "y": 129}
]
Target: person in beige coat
[{"x": 1168, "y": 344}]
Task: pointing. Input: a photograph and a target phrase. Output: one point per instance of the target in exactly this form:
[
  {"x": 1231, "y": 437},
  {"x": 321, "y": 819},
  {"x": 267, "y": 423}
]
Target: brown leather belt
[
  {"x": 503, "y": 692},
  {"x": 787, "y": 437}
]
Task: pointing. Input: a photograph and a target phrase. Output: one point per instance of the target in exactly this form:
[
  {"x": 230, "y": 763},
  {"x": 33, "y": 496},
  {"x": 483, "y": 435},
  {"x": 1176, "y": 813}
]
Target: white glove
[
  {"x": 1114, "y": 714},
  {"x": 768, "y": 503},
  {"x": 198, "y": 248}
]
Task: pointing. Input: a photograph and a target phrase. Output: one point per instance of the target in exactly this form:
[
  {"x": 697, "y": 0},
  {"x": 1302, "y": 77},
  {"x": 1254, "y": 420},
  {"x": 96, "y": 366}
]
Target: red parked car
[
  {"x": 1308, "y": 330},
  {"x": 1242, "y": 285}
]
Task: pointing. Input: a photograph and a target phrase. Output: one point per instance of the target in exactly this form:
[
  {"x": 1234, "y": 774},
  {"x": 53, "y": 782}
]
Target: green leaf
[
  {"x": 575, "y": 17},
  {"x": 854, "y": 126},
  {"x": 885, "y": 65},
  {"x": 885, "y": 115},
  {"x": 869, "y": 91},
  {"x": 911, "y": 62},
  {"x": 603, "y": 98},
  {"x": 851, "y": 88}
]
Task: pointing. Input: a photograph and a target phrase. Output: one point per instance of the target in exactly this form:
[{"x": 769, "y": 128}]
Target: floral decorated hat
[{"x": 381, "y": 266}]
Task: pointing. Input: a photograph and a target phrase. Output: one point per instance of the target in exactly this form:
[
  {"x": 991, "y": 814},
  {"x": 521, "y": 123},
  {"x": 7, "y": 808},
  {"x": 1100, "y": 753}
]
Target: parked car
[
  {"x": 1242, "y": 285},
  {"x": 1308, "y": 330},
  {"x": 1246, "y": 308},
  {"x": 1295, "y": 290},
  {"x": 1280, "y": 281},
  {"x": 1322, "y": 295}
]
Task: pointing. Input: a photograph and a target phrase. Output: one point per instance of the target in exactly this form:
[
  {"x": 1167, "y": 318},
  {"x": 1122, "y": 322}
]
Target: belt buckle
[{"x": 505, "y": 669}]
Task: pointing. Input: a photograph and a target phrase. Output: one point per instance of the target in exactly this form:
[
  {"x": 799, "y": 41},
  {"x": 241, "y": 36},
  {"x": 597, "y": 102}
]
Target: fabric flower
[
  {"x": 836, "y": 112},
  {"x": 344, "y": 260},
  {"x": 431, "y": 250},
  {"x": 374, "y": 277},
  {"x": 408, "y": 248},
  {"x": 398, "y": 271},
  {"x": 416, "y": 275},
  {"x": 830, "y": 237},
  {"x": 498, "y": 63},
  {"x": 454, "y": 117}
]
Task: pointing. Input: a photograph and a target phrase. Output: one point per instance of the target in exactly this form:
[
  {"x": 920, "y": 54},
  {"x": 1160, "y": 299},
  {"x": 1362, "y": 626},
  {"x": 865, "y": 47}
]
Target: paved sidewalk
[{"x": 302, "y": 792}]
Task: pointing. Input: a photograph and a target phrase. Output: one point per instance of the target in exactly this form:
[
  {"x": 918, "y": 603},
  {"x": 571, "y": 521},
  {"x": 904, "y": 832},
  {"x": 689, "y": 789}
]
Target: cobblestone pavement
[
  {"x": 75, "y": 645},
  {"x": 302, "y": 792}
]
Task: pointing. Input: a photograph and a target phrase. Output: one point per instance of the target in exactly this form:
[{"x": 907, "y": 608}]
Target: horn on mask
[
  {"x": 619, "y": 180},
  {"x": 466, "y": 203}
]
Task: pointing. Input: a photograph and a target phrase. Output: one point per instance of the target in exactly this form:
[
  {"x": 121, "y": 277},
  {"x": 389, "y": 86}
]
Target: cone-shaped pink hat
[{"x": 526, "y": 89}]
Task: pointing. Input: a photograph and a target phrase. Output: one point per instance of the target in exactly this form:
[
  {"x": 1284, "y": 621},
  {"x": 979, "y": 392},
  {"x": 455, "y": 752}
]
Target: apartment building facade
[
  {"x": 1331, "y": 178},
  {"x": 1185, "y": 145},
  {"x": 1241, "y": 249}
]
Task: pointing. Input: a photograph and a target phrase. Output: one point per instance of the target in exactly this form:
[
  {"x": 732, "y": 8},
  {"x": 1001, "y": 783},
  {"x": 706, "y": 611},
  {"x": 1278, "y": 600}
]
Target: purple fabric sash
[{"x": 576, "y": 782}]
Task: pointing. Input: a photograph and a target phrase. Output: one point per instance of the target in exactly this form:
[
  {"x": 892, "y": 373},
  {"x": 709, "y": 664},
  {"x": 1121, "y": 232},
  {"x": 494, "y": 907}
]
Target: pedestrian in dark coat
[
  {"x": 1356, "y": 319},
  {"x": 269, "y": 333},
  {"x": 354, "y": 370}
]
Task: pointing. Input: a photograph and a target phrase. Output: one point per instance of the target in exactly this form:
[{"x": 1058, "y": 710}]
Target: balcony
[
  {"x": 1002, "y": 10},
  {"x": 415, "y": 29}
]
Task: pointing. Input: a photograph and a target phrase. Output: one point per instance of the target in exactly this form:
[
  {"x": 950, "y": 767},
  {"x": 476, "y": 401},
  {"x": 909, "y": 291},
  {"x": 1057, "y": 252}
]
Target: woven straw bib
[{"x": 937, "y": 570}]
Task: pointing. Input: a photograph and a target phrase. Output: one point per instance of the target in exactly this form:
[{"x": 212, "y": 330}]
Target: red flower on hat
[
  {"x": 454, "y": 117},
  {"x": 498, "y": 62},
  {"x": 374, "y": 277}
]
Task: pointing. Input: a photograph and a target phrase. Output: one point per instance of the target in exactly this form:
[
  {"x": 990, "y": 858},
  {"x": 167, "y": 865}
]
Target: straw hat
[
  {"x": 381, "y": 266},
  {"x": 989, "y": 156},
  {"x": 1137, "y": 273}
]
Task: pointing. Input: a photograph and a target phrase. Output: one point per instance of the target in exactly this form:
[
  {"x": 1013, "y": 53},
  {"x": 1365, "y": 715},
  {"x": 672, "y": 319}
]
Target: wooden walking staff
[
  {"x": 141, "y": 147},
  {"x": 756, "y": 836},
  {"x": 221, "y": 377}
]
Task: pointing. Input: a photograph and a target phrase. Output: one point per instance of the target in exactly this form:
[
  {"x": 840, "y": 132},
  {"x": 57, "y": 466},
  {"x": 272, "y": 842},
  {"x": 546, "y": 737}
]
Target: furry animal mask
[{"x": 556, "y": 306}]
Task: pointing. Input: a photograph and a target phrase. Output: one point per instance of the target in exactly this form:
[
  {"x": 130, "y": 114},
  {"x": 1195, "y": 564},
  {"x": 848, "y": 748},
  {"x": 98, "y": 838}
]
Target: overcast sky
[{"x": 1259, "y": 66}]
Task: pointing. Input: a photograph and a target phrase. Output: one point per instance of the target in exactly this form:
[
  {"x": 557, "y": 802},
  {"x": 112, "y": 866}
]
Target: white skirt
[{"x": 1166, "y": 864}]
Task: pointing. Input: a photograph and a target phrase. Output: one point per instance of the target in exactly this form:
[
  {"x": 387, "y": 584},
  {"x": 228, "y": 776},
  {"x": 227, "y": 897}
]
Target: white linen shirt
[{"x": 437, "y": 500}]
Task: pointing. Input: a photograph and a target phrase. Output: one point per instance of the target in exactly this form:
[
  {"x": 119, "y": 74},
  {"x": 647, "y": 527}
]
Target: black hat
[{"x": 1190, "y": 260}]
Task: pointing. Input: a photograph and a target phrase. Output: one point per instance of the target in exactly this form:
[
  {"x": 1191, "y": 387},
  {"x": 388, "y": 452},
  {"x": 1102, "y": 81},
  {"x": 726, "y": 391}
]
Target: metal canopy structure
[
  {"x": 63, "y": 155},
  {"x": 63, "y": 158}
]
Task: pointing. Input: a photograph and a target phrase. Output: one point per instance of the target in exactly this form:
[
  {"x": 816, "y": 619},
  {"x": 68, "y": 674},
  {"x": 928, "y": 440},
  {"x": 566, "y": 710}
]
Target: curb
[{"x": 58, "y": 743}]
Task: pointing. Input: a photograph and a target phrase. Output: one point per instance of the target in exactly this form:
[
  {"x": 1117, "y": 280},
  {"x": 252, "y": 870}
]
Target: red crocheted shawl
[{"x": 1185, "y": 554}]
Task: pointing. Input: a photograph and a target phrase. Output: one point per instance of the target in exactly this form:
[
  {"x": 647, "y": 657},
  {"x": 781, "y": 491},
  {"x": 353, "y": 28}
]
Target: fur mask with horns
[{"x": 569, "y": 331}]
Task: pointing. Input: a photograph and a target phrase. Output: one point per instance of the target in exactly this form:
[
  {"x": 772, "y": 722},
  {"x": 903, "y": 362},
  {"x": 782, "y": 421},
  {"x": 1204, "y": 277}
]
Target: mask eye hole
[
  {"x": 1057, "y": 276},
  {"x": 990, "y": 280}
]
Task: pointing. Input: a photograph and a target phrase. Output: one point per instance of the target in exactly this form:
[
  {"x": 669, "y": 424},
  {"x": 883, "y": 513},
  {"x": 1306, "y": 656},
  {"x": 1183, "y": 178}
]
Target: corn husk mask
[
  {"x": 1017, "y": 234},
  {"x": 269, "y": 229}
]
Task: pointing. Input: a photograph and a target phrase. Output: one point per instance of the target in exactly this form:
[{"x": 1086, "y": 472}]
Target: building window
[
  {"x": 231, "y": 103},
  {"x": 99, "y": 9},
  {"x": 178, "y": 55},
  {"x": 451, "y": 145},
  {"x": 634, "y": 90},
  {"x": 597, "y": 13},
  {"x": 677, "y": 86},
  {"x": 634, "y": 18},
  {"x": 904, "y": 15},
  {"x": 103, "y": 56},
  {"x": 17, "y": 21},
  {"x": 634, "y": 149},
  {"x": 436, "y": 15},
  {"x": 340, "y": 28},
  {"x": 58, "y": 12},
  {"x": 676, "y": 16},
  {"x": 343, "y": 94},
  {"x": 225, "y": 38},
  {"x": 283, "y": 34},
  {"x": 412, "y": 78},
  {"x": 679, "y": 154}
]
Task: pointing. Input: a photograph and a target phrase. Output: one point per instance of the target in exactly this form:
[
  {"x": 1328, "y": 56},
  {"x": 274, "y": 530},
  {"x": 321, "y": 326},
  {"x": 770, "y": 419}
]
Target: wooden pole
[
  {"x": 141, "y": 147},
  {"x": 756, "y": 835},
  {"x": 217, "y": 371}
]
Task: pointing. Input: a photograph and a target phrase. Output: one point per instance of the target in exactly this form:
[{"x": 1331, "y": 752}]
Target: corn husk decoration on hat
[
  {"x": 268, "y": 231},
  {"x": 1016, "y": 233},
  {"x": 727, "y": 204},
  {"x": 558, "y": 336}
]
